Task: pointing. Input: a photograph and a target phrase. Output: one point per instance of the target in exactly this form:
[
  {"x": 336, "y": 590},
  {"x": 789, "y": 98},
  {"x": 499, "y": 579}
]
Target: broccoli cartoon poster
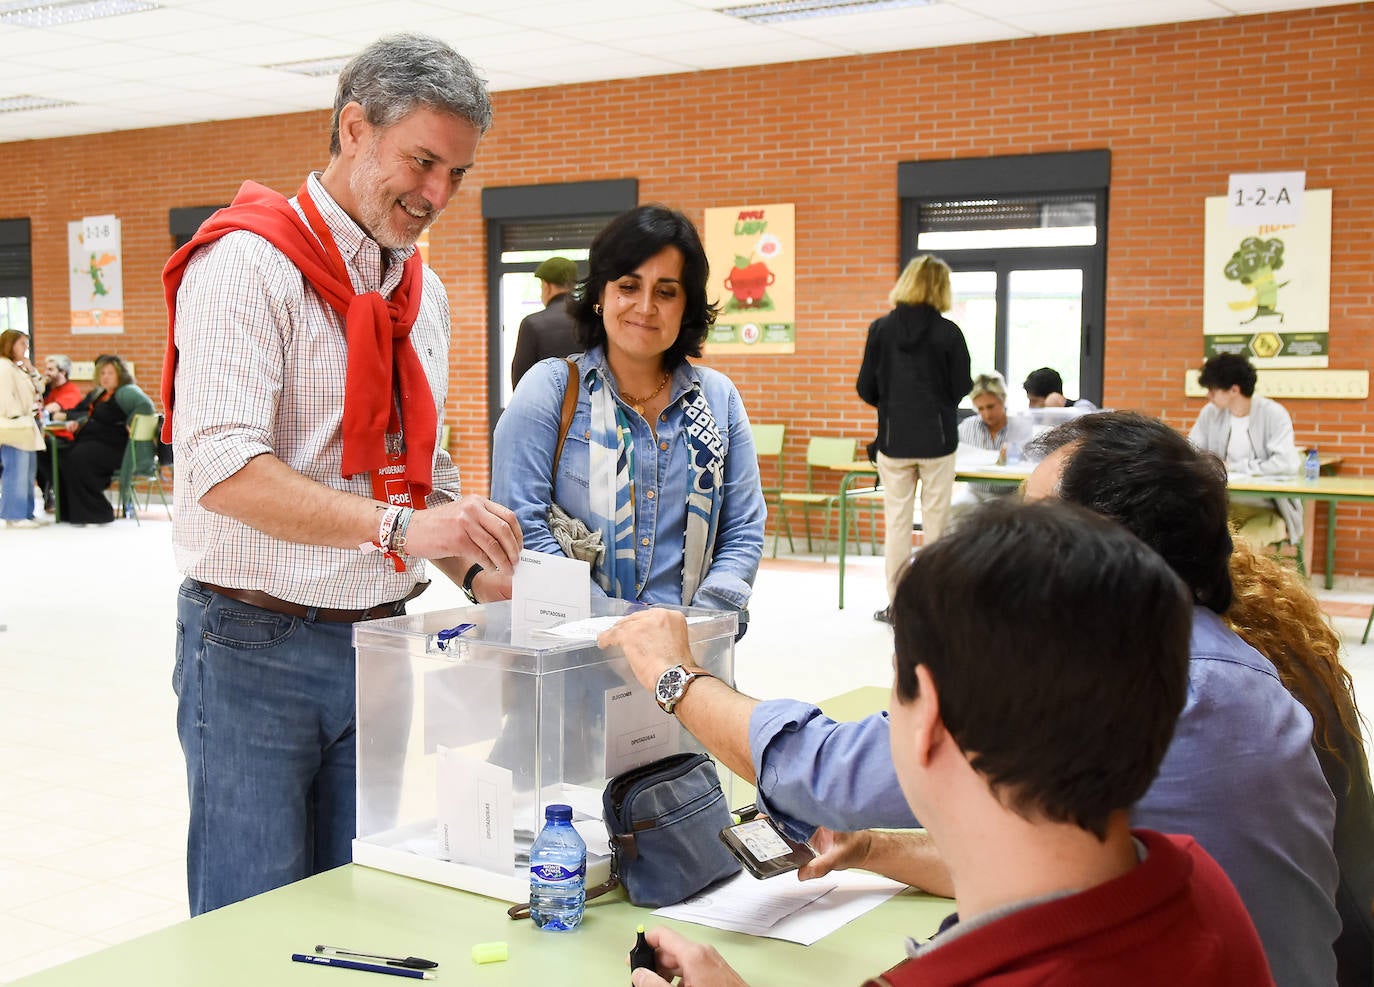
[
  {"x": 95, "y": 275},
  {"x": 1267, "y": 289},
  {"x": 751, "y": 251}
]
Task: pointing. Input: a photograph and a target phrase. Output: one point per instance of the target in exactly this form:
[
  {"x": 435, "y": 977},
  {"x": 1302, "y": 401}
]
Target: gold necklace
[{"x": 638, "y": 403}]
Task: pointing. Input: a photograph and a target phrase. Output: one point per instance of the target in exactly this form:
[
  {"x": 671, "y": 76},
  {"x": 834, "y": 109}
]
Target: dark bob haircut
[
  {"x": 1227, "y": 370},
  {"x": 1063, "y": 689},
  {"x": 627, "y": 242},
  {"x": 1168, "y": 493}
]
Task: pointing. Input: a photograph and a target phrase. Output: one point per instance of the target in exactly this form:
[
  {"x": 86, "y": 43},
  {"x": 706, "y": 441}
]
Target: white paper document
[
  {"x": 593, "y": 627},
  {"x": 637, "y": 730},
  {"x": 476, "y": 804},
  {"x": 547, "y": 590},
  {"x": 784, "y": 907}
]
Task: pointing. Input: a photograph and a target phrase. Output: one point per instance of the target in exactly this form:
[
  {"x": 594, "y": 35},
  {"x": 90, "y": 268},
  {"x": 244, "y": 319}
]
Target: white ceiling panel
[
  {"x": 203, "y": 59},
  {"x": 780, "y": 50},
  {"x": 1105, "y": 18},
  {"x": 1265, "y": 6},
  {"x": 635, "y": 24},
  {"x": 136, "y": 26}
]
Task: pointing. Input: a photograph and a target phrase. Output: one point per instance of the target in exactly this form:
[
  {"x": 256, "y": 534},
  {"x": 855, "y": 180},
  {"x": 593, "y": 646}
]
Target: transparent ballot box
[{"x": 464, "y": 737}]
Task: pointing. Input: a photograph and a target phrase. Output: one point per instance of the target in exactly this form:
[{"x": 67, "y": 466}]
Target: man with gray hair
[{"x": 307, "y": 361}]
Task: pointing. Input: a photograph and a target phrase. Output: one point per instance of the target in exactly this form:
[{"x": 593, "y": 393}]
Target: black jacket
[
  {"x": 548, "y": 332},
  {"x": 915, "y": 372}
]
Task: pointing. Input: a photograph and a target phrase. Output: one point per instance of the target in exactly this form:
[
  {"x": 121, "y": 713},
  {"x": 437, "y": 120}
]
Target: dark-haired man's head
[
  {"x": 1061, "y": 691},
  {"x": 1228, "y": 370},
  {"x": 1145, "y": 475},
  {"x": 1040, "y": 384}
]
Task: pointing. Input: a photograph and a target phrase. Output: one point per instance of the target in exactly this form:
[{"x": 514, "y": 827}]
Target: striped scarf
[{"x": 611, "y": 478}]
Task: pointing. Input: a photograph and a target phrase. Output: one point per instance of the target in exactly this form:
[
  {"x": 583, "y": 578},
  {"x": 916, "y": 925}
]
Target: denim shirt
[
  {"x": 1240, "y": 776},
  {"x": 522, "y": 457}
]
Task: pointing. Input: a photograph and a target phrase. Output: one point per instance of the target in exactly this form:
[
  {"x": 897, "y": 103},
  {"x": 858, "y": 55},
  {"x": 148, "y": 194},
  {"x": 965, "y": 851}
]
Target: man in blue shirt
[{"x": 1241, "y": 737}]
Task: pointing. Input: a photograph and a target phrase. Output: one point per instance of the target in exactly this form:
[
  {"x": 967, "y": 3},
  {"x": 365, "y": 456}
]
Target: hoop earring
[{"x": 596, "y": 309}]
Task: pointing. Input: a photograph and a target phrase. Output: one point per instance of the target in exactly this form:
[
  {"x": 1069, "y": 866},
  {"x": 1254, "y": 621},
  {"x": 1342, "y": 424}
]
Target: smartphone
[{"x": 763, "y": 848}]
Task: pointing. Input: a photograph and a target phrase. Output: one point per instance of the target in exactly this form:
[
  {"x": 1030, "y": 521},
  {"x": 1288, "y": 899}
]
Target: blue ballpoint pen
[{"x": 394, "y": 971}]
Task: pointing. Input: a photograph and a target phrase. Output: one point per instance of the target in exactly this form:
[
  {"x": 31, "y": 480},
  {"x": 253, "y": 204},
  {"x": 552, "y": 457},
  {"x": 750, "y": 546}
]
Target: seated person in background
[
  {"x": 59, "y": 393},
  {"x": 1240, "y": 733},
  {"x": 1253, "y": 435},
  {"x": 59, "y": 397},
  {"x": 1045, "y": 389},
  {"x": 1278, "y": 616},
  {"x": 96, "y": 454},
  {"x": 1026, "y": 787},
  {"x": 985, "y": 430}
]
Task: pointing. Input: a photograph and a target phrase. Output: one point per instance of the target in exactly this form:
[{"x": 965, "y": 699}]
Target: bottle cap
[
  {"x": 489, "y": 952},
  {"x": 557, "y": 813}
]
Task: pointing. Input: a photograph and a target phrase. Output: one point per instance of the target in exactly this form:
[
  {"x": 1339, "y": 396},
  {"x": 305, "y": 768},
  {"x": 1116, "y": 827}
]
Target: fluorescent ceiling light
[
  {"x": 778, "y": 11},
  {"x": 313, "y": 67},
  {"x": 26, "y": 13},
  {"x": 17, "y": 104}
]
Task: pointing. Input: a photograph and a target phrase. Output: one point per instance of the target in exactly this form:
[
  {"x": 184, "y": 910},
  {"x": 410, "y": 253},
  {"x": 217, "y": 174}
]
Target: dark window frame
[
  {"x": 1086, "y": 173},
  {"x": 524, "y": 204}
]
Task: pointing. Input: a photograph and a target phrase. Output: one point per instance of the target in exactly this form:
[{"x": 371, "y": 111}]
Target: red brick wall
[{"x": 1179, "y": 107}]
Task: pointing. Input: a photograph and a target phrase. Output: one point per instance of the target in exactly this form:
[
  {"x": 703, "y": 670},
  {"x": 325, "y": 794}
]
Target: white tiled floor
[{"x": 93, "y": 810}]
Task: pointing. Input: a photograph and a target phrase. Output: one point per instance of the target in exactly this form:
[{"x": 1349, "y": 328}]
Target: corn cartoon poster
[
  {"x": 1266, "y": 290},
  {"x": 751, "y": 250},
  {"x": 96, "y": 275}
]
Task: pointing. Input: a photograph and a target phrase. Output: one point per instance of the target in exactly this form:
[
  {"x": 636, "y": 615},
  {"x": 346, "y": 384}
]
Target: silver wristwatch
[{"x": 672, "y": 685}]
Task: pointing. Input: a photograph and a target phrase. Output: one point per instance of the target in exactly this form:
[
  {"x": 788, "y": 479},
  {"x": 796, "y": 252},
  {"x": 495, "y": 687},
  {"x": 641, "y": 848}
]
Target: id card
[{"x": 763, "y": 848}]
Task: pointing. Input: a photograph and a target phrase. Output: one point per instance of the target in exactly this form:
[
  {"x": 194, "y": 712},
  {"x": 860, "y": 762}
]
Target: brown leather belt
[{"x": 265, "y": 601}]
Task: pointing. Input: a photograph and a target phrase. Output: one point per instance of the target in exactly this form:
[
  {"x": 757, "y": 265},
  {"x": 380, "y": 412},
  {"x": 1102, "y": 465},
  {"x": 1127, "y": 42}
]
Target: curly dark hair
[
  {"x": 627, "y": 242},
  {"x": 1227, "y": 370}
]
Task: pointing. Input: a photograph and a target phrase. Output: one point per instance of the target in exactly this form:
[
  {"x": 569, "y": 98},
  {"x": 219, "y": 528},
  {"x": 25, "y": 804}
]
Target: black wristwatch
[{"x": 467, "y": 581}]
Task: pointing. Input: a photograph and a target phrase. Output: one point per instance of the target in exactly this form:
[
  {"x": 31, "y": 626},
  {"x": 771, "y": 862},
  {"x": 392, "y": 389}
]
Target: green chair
[
  {"x": 768, "y": 442},
  {"x": 822, "y": 453},
  {"x": 141, "y": 464}
]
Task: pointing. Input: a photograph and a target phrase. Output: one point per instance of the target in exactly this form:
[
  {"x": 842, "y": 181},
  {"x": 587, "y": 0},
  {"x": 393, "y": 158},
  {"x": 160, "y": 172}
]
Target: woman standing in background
[
  {"x": 20, "y": 437},
  {"x": 915, "y": 372}
]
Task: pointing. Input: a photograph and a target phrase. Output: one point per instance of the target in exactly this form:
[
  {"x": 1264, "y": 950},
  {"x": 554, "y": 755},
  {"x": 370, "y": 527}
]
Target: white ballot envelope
[
  {"x": 476, "y": 802},
  {"x": 547, "y": 590}
]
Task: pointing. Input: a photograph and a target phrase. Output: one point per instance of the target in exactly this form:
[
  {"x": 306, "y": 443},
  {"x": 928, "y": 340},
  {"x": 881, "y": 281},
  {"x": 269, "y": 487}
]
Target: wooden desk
[
  {"x": 251, "y": 943},
  {"x": 1330, "y": 490}
]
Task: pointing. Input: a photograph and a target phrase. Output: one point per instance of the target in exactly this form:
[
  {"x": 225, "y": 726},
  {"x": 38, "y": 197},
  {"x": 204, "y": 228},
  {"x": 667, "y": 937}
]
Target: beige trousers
[{"x": 899, "y": 478}]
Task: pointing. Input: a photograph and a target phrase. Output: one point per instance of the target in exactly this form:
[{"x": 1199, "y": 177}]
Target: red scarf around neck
[{"x": 377, "y": 332}]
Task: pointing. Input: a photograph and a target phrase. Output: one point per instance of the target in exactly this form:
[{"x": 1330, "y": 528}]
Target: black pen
[
  {"x": 409, "y": 962},
  {"x": 335, "y": 961}
]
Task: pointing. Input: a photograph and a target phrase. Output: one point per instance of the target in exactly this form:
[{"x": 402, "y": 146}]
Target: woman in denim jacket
[{"x": 659, "y": 461}]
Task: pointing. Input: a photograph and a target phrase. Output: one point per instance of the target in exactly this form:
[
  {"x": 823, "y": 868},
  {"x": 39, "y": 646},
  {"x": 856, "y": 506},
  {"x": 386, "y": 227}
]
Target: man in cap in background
[{"x": 548, "y": 332}]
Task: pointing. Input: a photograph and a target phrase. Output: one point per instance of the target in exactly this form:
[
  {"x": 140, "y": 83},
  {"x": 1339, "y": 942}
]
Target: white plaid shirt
[{"x": 261, "y": 370}]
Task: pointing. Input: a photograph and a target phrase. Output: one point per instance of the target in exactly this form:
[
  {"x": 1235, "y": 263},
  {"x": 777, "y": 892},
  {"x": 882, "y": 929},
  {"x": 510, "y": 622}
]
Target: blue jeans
[
  {"x": 265, "y": 714},
  {"x": 16, "y": 486}
]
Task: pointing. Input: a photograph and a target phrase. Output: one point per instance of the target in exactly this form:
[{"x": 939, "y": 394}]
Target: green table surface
[{"x": 355, "y": 907}]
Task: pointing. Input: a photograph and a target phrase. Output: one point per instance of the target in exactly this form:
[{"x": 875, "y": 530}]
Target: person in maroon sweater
[{"x": 1027, "y": 716}]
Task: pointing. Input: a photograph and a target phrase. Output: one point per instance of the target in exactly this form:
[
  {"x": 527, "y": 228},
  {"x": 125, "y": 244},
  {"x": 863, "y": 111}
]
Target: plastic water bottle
[
  {"x": 558, "y": 873},
  {"x": 1311, "y": 466}
]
